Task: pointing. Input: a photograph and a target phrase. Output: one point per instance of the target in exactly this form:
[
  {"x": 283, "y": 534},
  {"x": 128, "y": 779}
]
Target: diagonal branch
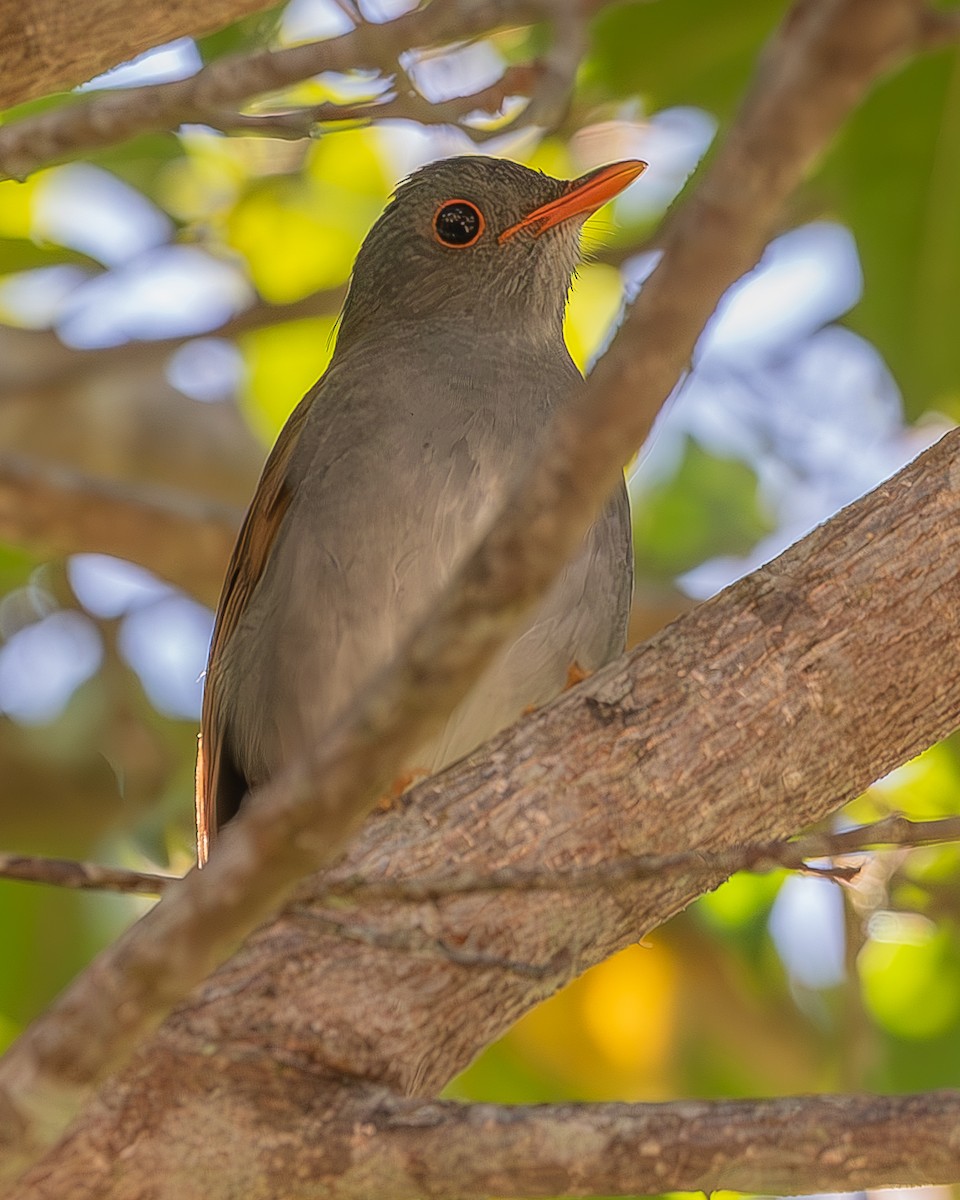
[
  {"x": 816, "y": 69},
  {"x": 56, "y": 510},
  {"x": 213, "y": 95},
  {"x": 82, "y": 876},
  {"x": 755, "y": 714},
  {"x": 48, "y": 46}
]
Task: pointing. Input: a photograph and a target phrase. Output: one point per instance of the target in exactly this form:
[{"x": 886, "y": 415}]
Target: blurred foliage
[
  {"x": 245, "y": 35},
  {"x": 301, "y": 233},
  {"x": 16, "y": 567},
  {"x": 24, "y": 254},
  {"x": 894, "y": 177},
  {"x": 141, "y": 162},
  {"x": 685, "y": 52},
  {"x": 713, "y": 1004},
  {"x": 710, "y": 506}
]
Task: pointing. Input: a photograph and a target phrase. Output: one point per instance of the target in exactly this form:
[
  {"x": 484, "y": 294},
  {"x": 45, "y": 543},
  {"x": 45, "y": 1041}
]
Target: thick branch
[
  {"x": 812, "y": 77},
  {"x": 55, "y": 510},
  {"x": 372, "y": 1144},
  {"x": 217, "y": 90},
  {"x": 795, "y": 1145},
  {"x": 48, "y": 46},
  {"x": 791, "y": 1146},
  {"x": 755, "y": 714}
]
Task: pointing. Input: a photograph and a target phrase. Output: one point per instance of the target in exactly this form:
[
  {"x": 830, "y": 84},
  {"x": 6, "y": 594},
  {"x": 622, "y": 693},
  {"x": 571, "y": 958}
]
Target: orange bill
[{"x": 583, "y": 197}]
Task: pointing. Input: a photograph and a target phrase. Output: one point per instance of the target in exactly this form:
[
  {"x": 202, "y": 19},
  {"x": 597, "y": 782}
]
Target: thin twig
[
  {"x": 392, "y": 106},
  {"x": 417, "y": 942},
  {"x": 225, "y": 85},
  {"x": 792, "y": 855},
  {"x": 84, "y": 876},
  {"x": 817, "y": 68}
]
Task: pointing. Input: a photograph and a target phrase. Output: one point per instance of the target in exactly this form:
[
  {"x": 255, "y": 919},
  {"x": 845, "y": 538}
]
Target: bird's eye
[{"x": 458, "y": 223}]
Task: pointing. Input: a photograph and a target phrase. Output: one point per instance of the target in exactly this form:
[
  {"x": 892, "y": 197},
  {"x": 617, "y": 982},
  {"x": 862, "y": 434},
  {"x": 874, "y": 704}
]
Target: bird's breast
[{"x": 403, "y": 461}]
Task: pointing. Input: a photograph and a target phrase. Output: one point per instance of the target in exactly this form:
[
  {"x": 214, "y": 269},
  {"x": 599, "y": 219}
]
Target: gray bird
[{"x": 449, "y": 362}]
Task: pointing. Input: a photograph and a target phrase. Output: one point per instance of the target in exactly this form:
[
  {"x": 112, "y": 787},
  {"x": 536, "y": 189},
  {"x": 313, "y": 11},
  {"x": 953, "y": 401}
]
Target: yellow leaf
[
  {"x": 628, "y": 1005},
  {"x": 17, "y": 203},
  {"x": 609, "y": 1035},
  {"x": 283, "y": 362},
  {"x": 291, "y": 249},
  {"x": 595, "y": 304}
]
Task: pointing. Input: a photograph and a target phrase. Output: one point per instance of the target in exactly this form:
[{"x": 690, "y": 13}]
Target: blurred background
[{"x": 165, "y": 303}]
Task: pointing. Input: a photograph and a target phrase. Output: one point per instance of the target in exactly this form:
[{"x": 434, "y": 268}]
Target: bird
[{"x": 449, "y": 361}]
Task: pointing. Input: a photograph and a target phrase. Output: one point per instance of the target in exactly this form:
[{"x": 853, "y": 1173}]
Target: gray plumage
[{"x": 448, "y": 364}]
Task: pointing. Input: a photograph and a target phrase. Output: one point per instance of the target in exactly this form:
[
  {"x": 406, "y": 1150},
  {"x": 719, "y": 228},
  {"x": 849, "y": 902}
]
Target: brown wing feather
[{"x": 250, "y": 554}]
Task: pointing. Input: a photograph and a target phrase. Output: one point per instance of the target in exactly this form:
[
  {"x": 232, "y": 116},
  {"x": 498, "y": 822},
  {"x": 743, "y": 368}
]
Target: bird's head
[{"x": 477, "y": 240}]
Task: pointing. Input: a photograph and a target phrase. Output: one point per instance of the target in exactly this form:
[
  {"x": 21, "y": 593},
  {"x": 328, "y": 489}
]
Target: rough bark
[
  {"x": 216, "y": 93},
  {"x": 751, "y": 723},
  {"x": 758, "y": 712},
  {"x": 815, "y": 69},
  {"x": 374, "y": 1145},
  {"x": 49, "y": 46}
]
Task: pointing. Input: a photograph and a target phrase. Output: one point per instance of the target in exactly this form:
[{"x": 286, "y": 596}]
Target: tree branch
[
  {"x": 756, "y": 713},
  {"x": 791, "y": 854},
  {"x": 812, "y": 74},
  {"x": 408, "y": 105},
  {"x": 795, "y": 1145},
  {"x": 213, "y": 95},
  {"x": 81, "y": 876},
  {"x": 48, "y": 46},
  {"x": 55, "y": 510},
  {"x": 940, "y": 29}
]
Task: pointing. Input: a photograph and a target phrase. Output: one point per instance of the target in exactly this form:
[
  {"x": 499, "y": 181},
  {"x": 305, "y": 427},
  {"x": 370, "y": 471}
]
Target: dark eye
[{"x": 458, "y": 223}]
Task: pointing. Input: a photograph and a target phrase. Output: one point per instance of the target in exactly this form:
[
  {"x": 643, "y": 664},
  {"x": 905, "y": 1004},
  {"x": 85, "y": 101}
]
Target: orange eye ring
[{"x": 458, "y": 224}]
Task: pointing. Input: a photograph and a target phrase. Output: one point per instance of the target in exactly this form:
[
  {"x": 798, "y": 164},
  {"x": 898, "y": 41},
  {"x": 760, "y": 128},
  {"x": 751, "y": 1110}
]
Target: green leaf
[
  {"x": 249, "y": 33},
  {"x": 911, "y": 982},
  {"x": 894, "y": 177},
  {"x": 679, "y": 51},
  {"x": 23, "y": 254},
  {"x": 709, "y": 507},
  {"x": 48, "y": 935},
  {"x": 16, "y": 567},
  {"x": 142, "y": 162}
]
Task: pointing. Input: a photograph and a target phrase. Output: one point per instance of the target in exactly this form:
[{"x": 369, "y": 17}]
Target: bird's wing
[{"x": 217, "y": 780}]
